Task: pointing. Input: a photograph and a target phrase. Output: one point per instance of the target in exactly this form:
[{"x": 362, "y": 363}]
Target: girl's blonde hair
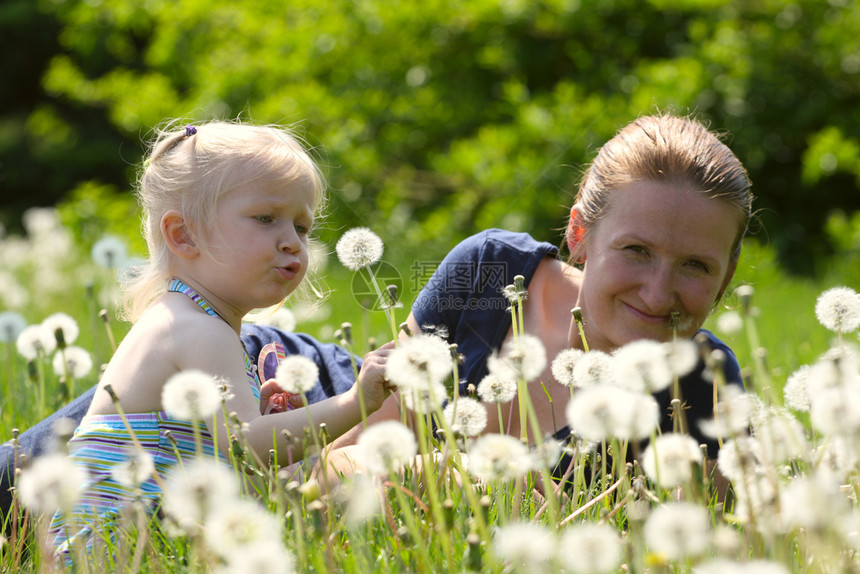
[{"x": 189, "y": 169}]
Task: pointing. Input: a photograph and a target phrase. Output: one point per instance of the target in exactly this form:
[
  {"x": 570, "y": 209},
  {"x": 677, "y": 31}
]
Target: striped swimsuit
[{"x": 102, "y": 444}]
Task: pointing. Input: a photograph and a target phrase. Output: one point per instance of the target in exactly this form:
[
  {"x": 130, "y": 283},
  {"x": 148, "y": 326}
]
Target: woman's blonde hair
[{"x": 189, "y": 169}]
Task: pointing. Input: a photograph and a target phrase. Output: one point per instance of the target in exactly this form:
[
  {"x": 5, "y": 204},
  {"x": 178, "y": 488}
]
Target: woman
[{"x": 654, "y": 239}]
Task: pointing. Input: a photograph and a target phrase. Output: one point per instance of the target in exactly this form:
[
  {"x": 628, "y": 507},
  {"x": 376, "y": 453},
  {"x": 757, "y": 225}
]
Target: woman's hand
[{"x": 371, "y": 382}]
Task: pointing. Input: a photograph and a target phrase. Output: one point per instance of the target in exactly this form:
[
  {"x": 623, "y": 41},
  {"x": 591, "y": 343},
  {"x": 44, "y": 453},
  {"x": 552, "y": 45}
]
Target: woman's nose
[{"x": 657, "y": 290}]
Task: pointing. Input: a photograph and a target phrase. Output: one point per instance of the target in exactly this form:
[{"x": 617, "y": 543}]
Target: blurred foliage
[{"x": 436, "y": 118}]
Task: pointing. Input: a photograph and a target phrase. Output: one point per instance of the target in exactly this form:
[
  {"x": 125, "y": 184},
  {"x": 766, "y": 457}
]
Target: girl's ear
[
  {"x": 178, "y": 235},
  {"x": 576, "y": 236}
]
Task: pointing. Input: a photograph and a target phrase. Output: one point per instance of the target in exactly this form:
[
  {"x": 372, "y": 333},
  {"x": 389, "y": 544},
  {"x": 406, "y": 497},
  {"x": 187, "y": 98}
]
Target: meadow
[{"x": 474, "y": 503}]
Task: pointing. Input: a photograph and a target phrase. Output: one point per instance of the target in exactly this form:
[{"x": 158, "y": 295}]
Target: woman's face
[{"x": 659, "y": 251}]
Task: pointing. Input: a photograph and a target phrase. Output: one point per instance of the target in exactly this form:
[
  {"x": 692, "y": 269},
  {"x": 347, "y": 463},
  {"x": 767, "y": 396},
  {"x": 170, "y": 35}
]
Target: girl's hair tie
[{"x": 190, "y": 131}]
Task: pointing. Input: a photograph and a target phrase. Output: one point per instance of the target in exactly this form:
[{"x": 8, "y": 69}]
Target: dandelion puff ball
[
  {"x": 466, "y": 416},
  {"x": 64, "y": 323},
  {"x": 525, "y": 358},
  {"x": 78, "y": 362},
  {"x": 191, "y": 395},
  {"x": 53, "y": 481},
  {"x": 297, "y": 374},
  {"x": 678, "y": 530},
  {"x": 359, "y": 248},
  {"x": 838, "y": 309},
  {"x": 562, "y": 366},
  {"x": 730, "y": 322},
  {"x": 591, "y": 548},
  {"x": 418, "y": 362},
  {"x": 239, "y": 523},
  {"x": 260, "y": 557},
  {"x": 12, "y": 324},
  {"x": 425, "y": 399},
  {"x": 197, "y": 490},
  {"x": 669, "y": 460},
  {"x": 109, "y": 252},
  {"x": 135, "y": 470},
  {"x": 385, "y": 446},
  {"x": 794, "y": 391},
  {"x": 641, "y": 366},
  {"x": 526, "y": 546},
  {"x": 498, "y": 457},
  {"x": 33, "y": 340},
  {"x": 495, "y": 388},
  {"x": 594, "y": 367}
]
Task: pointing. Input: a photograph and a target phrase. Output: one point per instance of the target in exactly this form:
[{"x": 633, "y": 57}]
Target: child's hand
[
  {"x": 372, "y": 383},
  {"x": 273, "y": 399}
]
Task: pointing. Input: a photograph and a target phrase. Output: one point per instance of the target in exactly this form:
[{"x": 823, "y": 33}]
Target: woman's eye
[
  {"x": 637, "y": 249},
  {"x": 698, "y": 265},
  {"x": 264, "y": 218}
]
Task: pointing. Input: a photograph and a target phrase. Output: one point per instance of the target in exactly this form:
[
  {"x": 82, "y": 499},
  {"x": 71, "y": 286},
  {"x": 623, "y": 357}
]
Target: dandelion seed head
[
  {"x": 669, "y": 460},
  {"x": 599, "y": 412},
  {"x": 837, "y": 455},
  {"x": 756, "y": 497},
  {"x": 359, "y": 248},
  {"x": 524, "y": 358},
  {"x": 11, "y": 326},
  {"x": 297, "y": 374},
  {"x": 563, "y": 364},
  {"x": 641, "y": 366},
  {"x": 494, "y": 388},
  {"x": 836, "y": 411},
  {"x": 526, "y": 546},
  {"x": 730, "y": 322},
  {"x": 260, "y": 557},
  {"x": 678, "y": 530},
  {"x": 239, "y": 523},
  {"x": 34, "y": 340},
  {"x": 362, "y": 499},
  {"x": 498, "y": 457},
  {"x": 385, "y": 446},
  {"x": 591, "y": 548},
  {"x": 681, "y": 356},
  {"x": 593, "y": 368},
  {"x": 794, "y": 391},
  {"x": 64, "y": 323},
  {"x": 109, "y": 252},
  {"x": 838, "y": 309},
  {"x": 196, "y": 490},
  {"x": 738, "y": 454},
  {"x": 466, "y": 416},
  {"x": 191, "y": 395},
  {"x": 135, "y": 470},
  {"x": 52, "y": 482},
  {"x": 419, "y": 361},
  {"x": 77, "y": 361},
  {"x": 546, "y": 454},
  {"x": 734, "y": 409},
  {"x": 812, "y": 502},
  {"x": 781, "y": 436},
  {"x": 425, "y": 399}
]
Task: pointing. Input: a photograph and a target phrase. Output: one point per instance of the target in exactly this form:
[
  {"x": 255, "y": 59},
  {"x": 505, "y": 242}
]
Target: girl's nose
[{"x": 290, "y": 242}]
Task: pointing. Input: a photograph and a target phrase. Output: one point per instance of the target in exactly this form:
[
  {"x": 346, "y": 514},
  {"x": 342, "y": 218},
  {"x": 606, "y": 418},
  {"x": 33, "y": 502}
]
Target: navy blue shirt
[{"x": 464, "y": 297}]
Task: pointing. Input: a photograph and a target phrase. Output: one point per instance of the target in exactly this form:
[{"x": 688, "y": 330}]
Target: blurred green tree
[{"x": 439, "y": 117}]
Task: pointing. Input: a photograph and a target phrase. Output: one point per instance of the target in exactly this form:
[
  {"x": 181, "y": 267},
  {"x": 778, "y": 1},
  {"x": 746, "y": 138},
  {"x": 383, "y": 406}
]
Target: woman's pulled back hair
[
  {"x": 669, "y": 150},
  {"x": 189, "y": 169}
]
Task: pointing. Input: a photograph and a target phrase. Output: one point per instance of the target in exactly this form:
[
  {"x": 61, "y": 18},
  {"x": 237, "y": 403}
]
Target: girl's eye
[{"x": 302, "y": 229}]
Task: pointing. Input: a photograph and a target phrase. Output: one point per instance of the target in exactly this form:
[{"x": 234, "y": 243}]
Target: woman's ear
[
  {"x": 576, "y": 236},
  {"x": 178, "y": 235}
]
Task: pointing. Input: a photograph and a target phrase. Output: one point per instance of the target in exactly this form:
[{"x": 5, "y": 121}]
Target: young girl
[{"x": 227, "y": 212}]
